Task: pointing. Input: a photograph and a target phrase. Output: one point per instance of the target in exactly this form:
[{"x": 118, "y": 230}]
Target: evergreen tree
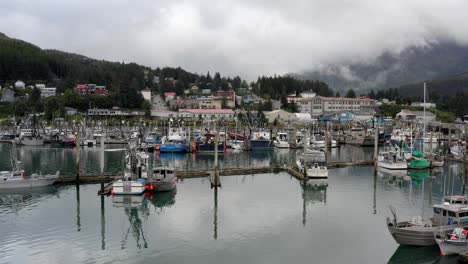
[{"x": 350, "y": 94}]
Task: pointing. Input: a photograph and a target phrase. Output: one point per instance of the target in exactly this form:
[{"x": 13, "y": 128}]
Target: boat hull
[
  {"x": 32, "y": 141},
  {"x": 28, "y": 182},
  {"x": 128, "y": 187},
  {"x": 392, "y": 166},
  {"x": 412, "y": 237},
  {"x": 448, "y": 247},
  {"x": 173, "y": 148},
  {"x": 208, "y": 147},
  {"x": 261, "y": 144}
]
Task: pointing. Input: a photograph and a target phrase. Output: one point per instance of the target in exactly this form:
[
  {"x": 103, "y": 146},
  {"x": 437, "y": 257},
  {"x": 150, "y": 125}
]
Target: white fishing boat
[
  {"x": 164, "y": 179},
  {"x": 134, "y": 178},
  {"x": 281, "y": 140},
  {"x": 454, "y": 242},
  {"x": 391, "y": 158},
  {"x": 420, "y": 232},
  {"x": 313, "y": 163}
]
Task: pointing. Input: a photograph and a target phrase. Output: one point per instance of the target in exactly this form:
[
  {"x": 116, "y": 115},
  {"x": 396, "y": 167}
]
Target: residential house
[
  {"x": 228, "y": 96},
  {"x": 146, "y": 93},
  {"x": 40, "y": 86},
  {"x": 48, "y": 91},
  {"x": 169, "y": 96},
  {"x": 8, "y": 95},
  {"x": 20, "y": 85},
  {"x": 90, "y": 88},
  {"x": 71, "y": 111}
]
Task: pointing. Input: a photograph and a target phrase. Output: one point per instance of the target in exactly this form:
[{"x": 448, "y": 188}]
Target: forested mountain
[
  {"x": 20, "y": 60},
  {"x": 412, "y": 65}
]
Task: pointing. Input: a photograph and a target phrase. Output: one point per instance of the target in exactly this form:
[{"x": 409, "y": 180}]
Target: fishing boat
[
  {"x": 281, "y": 140},
  {"x": 454, "y": 242},
  {"x": 207, "y": 144},
  {"x": 260, "y": 140},
  {"x": 17, "y": 178},
  {"x": 163, "y": 179},
  {"x": 175, "y": 142},
  {"x": 418, "y": 162},
  {"x": 391, "y": 158},
  {"x": 313, "y": 163},
  {"x": 420, "y": 232},
  {"x": 134, "y": 177}
]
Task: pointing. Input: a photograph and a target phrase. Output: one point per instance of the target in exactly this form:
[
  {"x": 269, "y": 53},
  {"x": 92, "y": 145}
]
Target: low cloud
[{"x": 235, "y": 37}]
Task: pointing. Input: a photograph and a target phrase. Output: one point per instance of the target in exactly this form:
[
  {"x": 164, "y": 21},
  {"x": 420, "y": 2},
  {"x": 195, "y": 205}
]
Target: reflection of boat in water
[
  {"x": 16, "y": 199},
  {"x": 164, "y": 199},
  {"x": 314, "y": 193},
  {"x": 411, "y": 255},
  {"x": 127, "y": 201}
]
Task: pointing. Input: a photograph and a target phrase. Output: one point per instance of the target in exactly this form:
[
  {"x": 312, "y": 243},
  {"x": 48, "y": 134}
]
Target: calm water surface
[{"x": 263, "y": 218}]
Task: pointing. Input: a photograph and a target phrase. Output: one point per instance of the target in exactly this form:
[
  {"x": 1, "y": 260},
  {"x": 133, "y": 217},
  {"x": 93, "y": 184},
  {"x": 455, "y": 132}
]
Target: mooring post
[
  {"x": 449, "y": 137},
  {"x": 101, "y": 161},
  {"x": 376, "y": 144},
  {"x": 77, "y": 142},
  {"x": 216, "y": 181},
  {"x": 464, "y": 161},
  {"x": 326, "y": 138}
]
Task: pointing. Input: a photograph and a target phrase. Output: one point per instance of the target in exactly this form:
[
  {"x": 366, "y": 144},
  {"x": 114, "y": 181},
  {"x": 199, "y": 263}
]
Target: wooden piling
[
  {"x": 376, "y": 144},
  {"x": 77, "y": 165}
]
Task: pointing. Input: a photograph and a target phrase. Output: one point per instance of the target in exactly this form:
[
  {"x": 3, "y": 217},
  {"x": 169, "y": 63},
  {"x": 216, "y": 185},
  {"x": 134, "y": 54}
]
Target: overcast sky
[{"x": 235, "y": 37}]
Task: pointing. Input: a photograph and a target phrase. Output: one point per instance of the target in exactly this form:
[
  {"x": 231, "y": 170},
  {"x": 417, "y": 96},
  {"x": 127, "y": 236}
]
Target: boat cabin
[
  {"x": 452, "y": 211},
  {"x": 163, "y": 172}
]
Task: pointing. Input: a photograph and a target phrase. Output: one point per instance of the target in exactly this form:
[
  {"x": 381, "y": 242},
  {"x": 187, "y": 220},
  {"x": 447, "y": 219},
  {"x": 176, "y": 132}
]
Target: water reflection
[
  {"x": 13, "y": 200},
  {"x": 136, "y": 208},
  {"x": 410, "y": 255},
  {"x": 313, "y": 193}
]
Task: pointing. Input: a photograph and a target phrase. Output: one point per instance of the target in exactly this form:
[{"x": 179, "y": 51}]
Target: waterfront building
[
  {"x": 327, "y": 105},
  {"x": 206, "y": 114},
  {"x": 408, "y": 115},
  {"x": 280, "y": 116},
  {"x": 115, "y": 111},
  {"x": 164, "y": 114}
]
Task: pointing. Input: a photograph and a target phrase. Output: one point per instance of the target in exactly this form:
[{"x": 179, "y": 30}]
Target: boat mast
[{"x": 424, "y": 128}]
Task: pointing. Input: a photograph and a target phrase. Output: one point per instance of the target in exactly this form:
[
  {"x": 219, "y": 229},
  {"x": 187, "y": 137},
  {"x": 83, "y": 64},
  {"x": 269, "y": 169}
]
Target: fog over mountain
[{"x": 349, "y": 43}]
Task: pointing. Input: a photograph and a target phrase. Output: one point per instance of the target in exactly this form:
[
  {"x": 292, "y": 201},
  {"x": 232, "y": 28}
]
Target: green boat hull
[{"x": 419, "y": 164}]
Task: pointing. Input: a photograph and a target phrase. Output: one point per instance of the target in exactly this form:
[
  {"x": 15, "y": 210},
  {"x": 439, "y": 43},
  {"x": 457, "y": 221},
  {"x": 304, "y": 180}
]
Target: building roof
[
  {"x": 345, "y": 99},
  {"x": 169, "y": 93},
  {"x": 303, "y": 116},
  {"x": 207, "y": 111}
]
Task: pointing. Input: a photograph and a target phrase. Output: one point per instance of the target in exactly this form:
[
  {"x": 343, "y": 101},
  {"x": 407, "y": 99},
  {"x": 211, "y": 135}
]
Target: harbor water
[{"x": 263, "y": 218}]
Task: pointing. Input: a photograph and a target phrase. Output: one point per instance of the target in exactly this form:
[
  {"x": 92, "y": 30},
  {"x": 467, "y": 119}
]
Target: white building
[
  {"x": 163, "y": 114},
  {"x": 304, "y": 118},
  {"x": 408, "y": 115},
  {"x": 146, "y": 93},
  {"x": 206, "y": 114},
  {"x": 115, "y": 111},
  {"x": 421, "y": 104},
  {"x": 327, "y": 105},
  {"x": 20, "y": 84},
  {"x": 280, "y": 116},
  {"x": 40, "y": 85},
  {"x": 49, "y": 91}
]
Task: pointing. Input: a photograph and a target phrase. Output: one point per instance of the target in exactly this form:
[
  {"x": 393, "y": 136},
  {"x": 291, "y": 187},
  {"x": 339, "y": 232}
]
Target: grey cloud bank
[{"x": 247, "y": 38}]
